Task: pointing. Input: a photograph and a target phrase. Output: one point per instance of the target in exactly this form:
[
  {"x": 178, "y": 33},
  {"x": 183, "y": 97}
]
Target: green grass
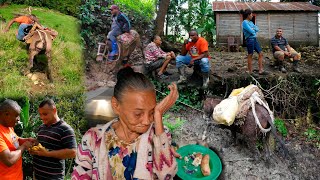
[
  {"x": 281, "y": 127},
  {"x": 67, "y": 59}
]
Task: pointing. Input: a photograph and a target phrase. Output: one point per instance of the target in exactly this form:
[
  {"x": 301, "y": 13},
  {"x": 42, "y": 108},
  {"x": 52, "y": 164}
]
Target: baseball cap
[{"x": 114, "y": 7}]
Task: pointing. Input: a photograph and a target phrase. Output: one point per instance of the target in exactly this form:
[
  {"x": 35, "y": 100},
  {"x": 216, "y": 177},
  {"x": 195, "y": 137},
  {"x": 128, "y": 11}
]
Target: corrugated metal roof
[{"x": 264, "y": 6}]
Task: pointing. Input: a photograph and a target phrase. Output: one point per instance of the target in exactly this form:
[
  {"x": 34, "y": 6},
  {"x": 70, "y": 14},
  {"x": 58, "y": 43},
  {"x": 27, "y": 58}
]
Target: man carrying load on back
[
  {"x": 120, "y": 24},
  {"x": 27, "y": 22}
]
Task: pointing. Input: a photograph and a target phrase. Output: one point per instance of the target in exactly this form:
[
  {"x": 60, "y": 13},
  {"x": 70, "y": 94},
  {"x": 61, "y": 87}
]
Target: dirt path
[{"x": 238, "y": 161}]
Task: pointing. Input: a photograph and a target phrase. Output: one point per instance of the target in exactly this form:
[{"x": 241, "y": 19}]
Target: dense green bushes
[
  {"x": 143, "y": 8},
  {"x": 70, "y": 7}
]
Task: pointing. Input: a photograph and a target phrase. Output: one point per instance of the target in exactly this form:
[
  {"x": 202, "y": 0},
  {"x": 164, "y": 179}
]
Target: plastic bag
[{"x": 225, "y": 112}]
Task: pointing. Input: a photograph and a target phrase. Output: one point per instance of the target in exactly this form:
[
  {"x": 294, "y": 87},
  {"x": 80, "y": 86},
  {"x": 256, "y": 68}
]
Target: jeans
[
  {"x": 112, "y": 35},
  {"x": 253, "y": 45},
  {"x": 204, "y": 62},
  {"x": 21, "y": 32}
]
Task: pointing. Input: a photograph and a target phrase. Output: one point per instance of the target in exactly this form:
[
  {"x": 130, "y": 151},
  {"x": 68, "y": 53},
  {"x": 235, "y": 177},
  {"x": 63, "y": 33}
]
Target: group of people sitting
[
  {"x": 195, "y": 50},
  {"x": 194, "y": 53}
]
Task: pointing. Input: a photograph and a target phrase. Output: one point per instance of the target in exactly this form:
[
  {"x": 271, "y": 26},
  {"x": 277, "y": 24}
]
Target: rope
[
  {"x": 164, "y": 94},
  {"x": 255, "y": 97},
  {"x": 38, "y": 31}
]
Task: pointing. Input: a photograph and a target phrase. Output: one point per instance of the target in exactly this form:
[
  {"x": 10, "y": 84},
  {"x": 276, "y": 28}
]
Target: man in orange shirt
[
  {"x": 26, "y": 23},
  {"x": 11, "y": 146},
  {"x": 198, "y": 55}
]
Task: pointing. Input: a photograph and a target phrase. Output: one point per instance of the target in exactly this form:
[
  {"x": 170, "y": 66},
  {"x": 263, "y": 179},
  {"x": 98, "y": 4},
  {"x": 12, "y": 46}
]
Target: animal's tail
[{"x": 275, "y": 134}]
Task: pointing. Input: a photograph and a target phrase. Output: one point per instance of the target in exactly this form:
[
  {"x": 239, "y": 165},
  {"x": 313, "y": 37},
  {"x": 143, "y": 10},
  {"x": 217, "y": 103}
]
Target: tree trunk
[
  {"x": 161, "y": 15},
  {"x": 167, "y": 25}
]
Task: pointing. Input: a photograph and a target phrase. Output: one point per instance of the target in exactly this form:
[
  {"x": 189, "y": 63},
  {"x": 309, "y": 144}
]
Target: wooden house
[{"x": 299, "y": 21}]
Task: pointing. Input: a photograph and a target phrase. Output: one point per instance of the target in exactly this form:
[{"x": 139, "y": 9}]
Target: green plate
[{"x": 187, "y": 171}]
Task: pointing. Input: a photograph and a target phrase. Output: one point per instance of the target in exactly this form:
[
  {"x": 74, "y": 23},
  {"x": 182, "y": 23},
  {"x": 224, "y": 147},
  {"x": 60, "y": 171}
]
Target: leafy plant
[
  {"x": 187, "y": 96},
  {"x": 191, "y": 14},
  {"x": 281, "y": 127},
  {"x": 173, "y": 125},
  {"x": 259, "y": 144},
  {"x": 312, "y": 134},
  {"x": 143, "y": 8}
]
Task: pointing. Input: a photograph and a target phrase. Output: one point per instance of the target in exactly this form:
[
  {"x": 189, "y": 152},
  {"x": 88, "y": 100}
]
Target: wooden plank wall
[
  {"x": 228, "y": 24},
  {"x": 300, "y": 28}
]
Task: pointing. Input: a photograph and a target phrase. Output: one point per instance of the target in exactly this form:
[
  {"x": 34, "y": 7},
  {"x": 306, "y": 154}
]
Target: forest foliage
[{"x": 69, "y": 7}]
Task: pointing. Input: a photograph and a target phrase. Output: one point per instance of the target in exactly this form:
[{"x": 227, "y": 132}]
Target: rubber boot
[
  {"x": 205, "y": 80},
  {"x": 295, "y": 66},
  {"x": 182, "y": 72},
  {"x": 114, "y": 51},
  {"x": 281, "y": 67}
]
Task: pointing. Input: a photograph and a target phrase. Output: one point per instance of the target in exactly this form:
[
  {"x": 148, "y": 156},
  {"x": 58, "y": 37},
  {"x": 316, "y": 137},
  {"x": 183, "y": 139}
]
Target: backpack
[{"x": 126, "y": 18}]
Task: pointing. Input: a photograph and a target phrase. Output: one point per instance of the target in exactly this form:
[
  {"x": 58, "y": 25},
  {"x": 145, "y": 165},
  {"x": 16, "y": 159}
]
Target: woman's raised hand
[{"x": 168, "y": 101}]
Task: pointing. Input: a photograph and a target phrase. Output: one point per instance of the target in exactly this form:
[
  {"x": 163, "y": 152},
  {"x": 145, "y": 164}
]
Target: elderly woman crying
[{"x": 136, "y": 145}]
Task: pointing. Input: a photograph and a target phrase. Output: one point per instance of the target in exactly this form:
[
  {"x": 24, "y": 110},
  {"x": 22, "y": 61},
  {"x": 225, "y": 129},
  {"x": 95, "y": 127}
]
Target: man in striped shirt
[
  {"x": 59, "y": 141},
  {"x": 156, "y": 58}
]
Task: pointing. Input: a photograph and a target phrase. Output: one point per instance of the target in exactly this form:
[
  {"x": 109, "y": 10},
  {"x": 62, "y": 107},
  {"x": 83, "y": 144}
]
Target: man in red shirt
[
  {"x": 198, "y": 55},
  {"x": 25, "y": 22},
  {"x": 11, "y": 146}
]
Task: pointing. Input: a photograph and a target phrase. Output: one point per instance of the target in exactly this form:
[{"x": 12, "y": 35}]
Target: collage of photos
[{"x": 159, "y": 89}]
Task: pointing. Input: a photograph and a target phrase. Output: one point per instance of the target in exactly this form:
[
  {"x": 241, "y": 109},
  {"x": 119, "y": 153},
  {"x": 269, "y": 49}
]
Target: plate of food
[{"x": 198, "y": 162}]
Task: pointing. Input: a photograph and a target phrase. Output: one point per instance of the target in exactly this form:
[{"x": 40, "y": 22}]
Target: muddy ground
[
  {"x": 237, "y": 159},
  {"x": 223, "y": 65}
]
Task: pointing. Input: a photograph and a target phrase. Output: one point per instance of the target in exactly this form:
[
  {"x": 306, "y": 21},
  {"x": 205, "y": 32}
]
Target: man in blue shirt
[{"x": 282, "y": 49}]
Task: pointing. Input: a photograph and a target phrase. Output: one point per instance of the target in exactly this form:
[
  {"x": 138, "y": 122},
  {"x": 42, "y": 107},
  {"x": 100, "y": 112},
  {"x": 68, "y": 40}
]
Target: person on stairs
[{"x": 120, "y": 24}]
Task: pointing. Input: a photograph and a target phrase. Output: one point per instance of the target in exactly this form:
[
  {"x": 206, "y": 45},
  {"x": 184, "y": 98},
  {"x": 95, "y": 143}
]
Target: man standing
[
  {"x": 282, "y": 49},
  {"x": 11, "y": 146},
  {"x": 26, "y": 22},
  {"x": 59, "y": 141},
  {"x": 120, "y": 24},
  {"x": 157, "y": 58},
  {"x": 198, "y": 55}
]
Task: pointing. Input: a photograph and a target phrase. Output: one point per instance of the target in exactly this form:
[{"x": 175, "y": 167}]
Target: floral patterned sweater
[
  {"x": 153, "y": 52},
  {"x": 101, "y": 155}
]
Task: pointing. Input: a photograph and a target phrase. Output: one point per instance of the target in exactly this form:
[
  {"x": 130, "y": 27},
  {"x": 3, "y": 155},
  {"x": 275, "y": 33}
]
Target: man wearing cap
[
  {"x": 120, "y": 24},
  {"x": 11, "y": 146}
]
